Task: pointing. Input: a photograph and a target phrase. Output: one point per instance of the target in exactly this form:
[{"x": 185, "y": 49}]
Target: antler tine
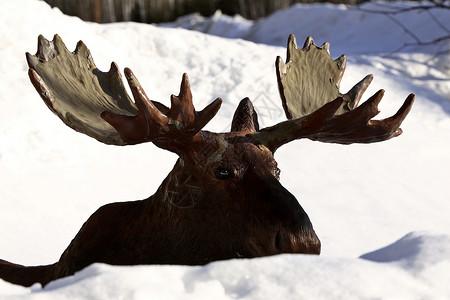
[
  {"x": 403, "y": 111},
  {"x": 182, "y": 107},
  {"x": 136, "y": 129},
  {"x": 380, "y": 130},
  {"x": 353, "y": 96},
  {"x": 180, "y": 123},
  {"x": 357, "y": 125}
]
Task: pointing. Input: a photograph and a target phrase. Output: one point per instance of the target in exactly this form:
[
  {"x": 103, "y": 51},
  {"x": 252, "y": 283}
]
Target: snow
[{"x": 380, "y": 210}]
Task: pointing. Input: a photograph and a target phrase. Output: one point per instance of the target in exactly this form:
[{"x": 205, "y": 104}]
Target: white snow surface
[{"x": 380, "y": 210}]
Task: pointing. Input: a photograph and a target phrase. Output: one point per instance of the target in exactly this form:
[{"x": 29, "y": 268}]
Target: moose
[{"x": 223, "y": 198}]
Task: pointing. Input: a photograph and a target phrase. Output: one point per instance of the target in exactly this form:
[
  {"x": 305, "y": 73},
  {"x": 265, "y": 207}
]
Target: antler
[
  {"x": 179, "y": 123},
  {"x": 97, "y": 104},
  {"x": 309, "y": 88},
  {"x": 310, "y": 78}
]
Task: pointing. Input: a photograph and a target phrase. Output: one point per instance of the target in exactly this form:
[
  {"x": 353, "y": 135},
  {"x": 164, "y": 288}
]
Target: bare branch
[{"x": 391, "y": 11}]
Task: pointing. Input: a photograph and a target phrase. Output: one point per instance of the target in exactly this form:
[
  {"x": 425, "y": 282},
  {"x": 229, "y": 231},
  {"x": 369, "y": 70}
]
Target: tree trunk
[{"x": 157, "y": 11}]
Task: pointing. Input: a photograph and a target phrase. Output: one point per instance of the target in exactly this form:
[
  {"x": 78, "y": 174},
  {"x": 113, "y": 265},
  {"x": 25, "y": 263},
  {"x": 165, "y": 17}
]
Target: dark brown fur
[{"x": 196, "y": 216}]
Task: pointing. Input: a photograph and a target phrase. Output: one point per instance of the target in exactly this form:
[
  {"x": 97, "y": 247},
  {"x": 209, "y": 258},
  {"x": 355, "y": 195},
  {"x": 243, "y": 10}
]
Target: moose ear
[{"x": 245, "y": 118}]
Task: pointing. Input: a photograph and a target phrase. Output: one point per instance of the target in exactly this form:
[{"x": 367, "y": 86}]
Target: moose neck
[{"x": 180, "y": 188}]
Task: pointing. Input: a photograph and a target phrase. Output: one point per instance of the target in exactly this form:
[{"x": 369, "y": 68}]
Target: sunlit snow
[{"x": 380, "y": 210}]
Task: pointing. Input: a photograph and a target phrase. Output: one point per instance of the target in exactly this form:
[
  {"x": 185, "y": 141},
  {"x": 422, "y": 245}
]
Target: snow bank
[
  {"x": 360, "y": 198},
  {"x": 345, "y": 25},
  {"x": 423, "y": 274}
]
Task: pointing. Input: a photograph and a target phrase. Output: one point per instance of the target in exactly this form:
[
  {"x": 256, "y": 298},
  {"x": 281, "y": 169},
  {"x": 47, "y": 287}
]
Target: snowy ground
[{"x": 383, "y": 215}]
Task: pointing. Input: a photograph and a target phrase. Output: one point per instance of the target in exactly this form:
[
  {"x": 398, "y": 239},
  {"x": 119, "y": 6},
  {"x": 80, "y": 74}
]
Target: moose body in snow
[{"x": 223, "y": 198}]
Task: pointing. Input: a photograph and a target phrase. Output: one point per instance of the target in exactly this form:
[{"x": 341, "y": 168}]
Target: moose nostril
[{"x": 279, "y": 242}]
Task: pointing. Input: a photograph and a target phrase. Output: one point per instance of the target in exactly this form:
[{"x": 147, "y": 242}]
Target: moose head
[{"x": 223, "y": 198}]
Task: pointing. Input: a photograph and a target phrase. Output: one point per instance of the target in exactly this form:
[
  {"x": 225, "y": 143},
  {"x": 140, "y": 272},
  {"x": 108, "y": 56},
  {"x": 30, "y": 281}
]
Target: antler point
[
  {"x": 114, "y": 67},
  {"x": 41, "y": 38},
  {"x": 57, "y": 40},
  {"x": 31, "y": 60},
  {"x": 308, "y": 42},
  {"x": 326, "y": 47},
  {"x": 129, "y": 75},
  {"x": 341, "y": 61},
  {"x": 292, "y": 39},
  {"x": 280, "y": 64},
  {"x": 185, "y": 88},
  {"x": 185, "y": 78}
]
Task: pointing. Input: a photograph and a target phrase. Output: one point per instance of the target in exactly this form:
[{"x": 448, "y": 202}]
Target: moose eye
[{"x": 223, "y": 173}]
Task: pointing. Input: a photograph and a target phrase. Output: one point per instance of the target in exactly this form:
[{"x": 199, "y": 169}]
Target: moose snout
[
  {"x": 287, "y": 228},
  {"x": 284, "y": 241},
  {"x": 300, "y": 242}
]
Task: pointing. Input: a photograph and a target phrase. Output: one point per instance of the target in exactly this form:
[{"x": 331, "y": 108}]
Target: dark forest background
[{"x": 157, "y": 11}]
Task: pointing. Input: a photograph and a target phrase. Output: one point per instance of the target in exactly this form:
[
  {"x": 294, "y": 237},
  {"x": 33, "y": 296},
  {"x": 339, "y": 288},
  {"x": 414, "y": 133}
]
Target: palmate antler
[
  {"x": 96, "y": 103},
  {"x": 308, "y": 83}
]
